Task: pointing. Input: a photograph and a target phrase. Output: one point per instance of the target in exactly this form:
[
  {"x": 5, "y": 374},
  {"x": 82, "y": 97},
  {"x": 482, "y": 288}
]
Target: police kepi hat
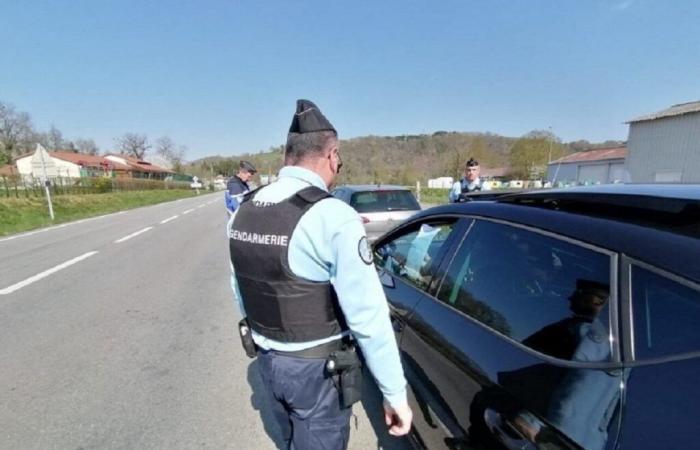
[
  {"x": 248, "y": 167},
  {"x": 308, "y": 118}
]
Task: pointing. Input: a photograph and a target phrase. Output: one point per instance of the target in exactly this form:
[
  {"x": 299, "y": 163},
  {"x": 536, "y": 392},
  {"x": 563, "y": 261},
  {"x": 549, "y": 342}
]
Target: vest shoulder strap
[
  {"x": 312, "y": 194},
  {"x": 248, "y": 195}
]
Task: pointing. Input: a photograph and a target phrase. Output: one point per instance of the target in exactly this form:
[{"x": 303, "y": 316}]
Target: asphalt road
[{"x": 118, "y": 332}]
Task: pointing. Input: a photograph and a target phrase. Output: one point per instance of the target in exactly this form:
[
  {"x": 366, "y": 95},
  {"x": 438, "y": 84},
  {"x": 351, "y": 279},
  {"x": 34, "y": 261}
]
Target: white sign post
[
  {"x": 196, "y": 184},
  {"x": 44, "y": 167}
]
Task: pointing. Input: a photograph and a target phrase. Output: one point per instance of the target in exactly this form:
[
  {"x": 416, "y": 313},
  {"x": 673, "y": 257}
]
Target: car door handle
[{"x": 506, "y": 433}]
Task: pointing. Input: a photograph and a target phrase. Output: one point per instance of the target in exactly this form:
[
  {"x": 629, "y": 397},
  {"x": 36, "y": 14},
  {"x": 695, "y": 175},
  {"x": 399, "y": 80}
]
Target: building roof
[
  {"x": 601, "y": 154},
  {"x": 140, "y": 165},
  {"x": 83, "y": 159},
  {"x": 675, "y": 110},
  {"x": 494, "y": 171}
]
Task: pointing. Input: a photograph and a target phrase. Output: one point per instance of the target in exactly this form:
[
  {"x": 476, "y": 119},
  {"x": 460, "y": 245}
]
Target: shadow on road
[
  {"x": 261, "y": 403},
  {"x": 373, "y": 405}
]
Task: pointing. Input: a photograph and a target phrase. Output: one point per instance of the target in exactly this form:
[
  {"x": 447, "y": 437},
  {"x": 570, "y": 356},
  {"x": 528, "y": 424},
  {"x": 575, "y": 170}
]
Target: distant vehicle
[
  {"x": 552, "y": 319},
  {"x": 381, "y": 207}
]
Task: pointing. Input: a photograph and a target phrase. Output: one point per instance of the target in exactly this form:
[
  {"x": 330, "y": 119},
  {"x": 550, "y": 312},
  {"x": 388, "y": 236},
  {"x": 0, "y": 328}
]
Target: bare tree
[
  {"x": 54, "y": 139},
  {"x": 133, "y": 144},
  {"x": 16, "y": 132},
  {"x": 166, "y": 148},
  {"x": 86, "y": 146}
]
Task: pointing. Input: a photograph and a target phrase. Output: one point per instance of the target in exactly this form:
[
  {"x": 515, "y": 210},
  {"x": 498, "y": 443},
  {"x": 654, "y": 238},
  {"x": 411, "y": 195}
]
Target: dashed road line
[
  {"x": 132, "y": 235},
  {"x": 44, "y": 274},
  {"x": 169, "y": 219},
  {"x": 188, "y": 211}
]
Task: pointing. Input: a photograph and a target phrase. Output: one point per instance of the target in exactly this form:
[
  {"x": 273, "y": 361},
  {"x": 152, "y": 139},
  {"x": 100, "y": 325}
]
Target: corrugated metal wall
[
  {"x": 565, "y": 173},
  {"x": 664, "y": 148},
  {"x": 609, "y": 171}
]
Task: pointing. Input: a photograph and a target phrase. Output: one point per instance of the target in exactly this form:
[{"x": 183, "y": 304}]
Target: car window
[
  {"x": 411, "y": 255},
  {"x": 548, "y": 294},
  {"x": 377, "y": 201},
  {"x": 666, "y": 315}
]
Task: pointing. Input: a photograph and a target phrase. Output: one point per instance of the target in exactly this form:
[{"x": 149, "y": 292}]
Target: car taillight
[{"x": 364, "y": 219}]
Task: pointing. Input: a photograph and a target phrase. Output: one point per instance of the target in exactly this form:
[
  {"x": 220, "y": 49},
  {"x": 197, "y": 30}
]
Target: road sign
[{"x": 42, "y": 165}]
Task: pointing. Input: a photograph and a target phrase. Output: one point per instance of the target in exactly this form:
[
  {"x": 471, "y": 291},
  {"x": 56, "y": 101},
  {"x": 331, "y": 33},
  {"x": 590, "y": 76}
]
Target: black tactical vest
[
  {"x": 465, "y": 187},
  {"x": 279, "y": 304}
]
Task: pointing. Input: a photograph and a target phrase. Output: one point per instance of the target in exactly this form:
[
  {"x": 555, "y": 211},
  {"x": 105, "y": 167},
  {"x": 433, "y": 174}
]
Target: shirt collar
[
  {"x": 303, "y": 174},
  {"x": 474, "y": 183}
]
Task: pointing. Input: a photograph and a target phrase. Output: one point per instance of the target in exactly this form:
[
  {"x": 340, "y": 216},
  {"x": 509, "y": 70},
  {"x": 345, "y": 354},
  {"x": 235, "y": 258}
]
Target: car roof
[
  {"x": 660, "y": 190},
  {"x": 373, "y": 187},
  {"x": 649, "y": 231}
]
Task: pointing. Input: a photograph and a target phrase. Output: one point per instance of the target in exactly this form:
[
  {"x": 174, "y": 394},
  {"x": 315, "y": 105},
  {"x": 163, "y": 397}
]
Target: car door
[
  {"x": 407, "y": 262},
  {"x": 496, "y": 354},
  {"x": 662, "y": 394}
]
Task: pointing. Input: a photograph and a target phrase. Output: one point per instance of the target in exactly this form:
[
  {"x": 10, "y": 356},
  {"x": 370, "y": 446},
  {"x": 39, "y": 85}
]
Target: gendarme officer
[
  {"x": 237, "y": 185},
  {"x": 470, "y": 182},
  {"x": 308, "y": 289}
]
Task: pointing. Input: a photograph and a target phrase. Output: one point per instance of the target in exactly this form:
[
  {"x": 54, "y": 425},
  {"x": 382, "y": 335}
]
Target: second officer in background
[{"x": 306, "y": 283}]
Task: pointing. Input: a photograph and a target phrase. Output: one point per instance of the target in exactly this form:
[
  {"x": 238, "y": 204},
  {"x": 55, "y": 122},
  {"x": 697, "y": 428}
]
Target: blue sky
[{"x": 222, "y": 76}]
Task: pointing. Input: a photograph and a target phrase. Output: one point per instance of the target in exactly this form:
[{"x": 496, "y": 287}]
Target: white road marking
[
  {"x": 201, "y": 206},
  {"x": 55, "y": 227},
  {"x": 188, "y": 211},
  {"x": 132, "y": 235},
  {"x": 169, "y": 219},
  {"x": 44, "y": 274}
]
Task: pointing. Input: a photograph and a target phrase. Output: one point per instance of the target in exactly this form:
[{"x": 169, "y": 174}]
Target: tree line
[
  {"x": 18, "y": 136},
  {"x": 410, "y": 158},
  {"x": 369, "y": 159}
]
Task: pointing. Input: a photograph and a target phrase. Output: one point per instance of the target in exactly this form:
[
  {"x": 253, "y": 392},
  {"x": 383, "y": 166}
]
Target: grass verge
[{"x": 22, "y": 214}]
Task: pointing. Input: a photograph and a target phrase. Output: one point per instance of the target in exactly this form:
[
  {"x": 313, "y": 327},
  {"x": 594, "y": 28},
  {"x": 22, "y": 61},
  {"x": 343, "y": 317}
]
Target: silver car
[{"x": 381, "y": 207}]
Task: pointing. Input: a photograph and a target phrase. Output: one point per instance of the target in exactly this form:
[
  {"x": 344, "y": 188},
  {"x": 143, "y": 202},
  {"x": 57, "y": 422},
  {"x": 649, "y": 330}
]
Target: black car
[{"x": 551, "y": 319}]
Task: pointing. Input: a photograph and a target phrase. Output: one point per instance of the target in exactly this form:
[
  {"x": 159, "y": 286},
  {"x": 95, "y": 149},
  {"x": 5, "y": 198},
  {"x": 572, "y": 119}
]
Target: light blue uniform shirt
[
  {"x": 457, "y": 188},
  {"x": 325, "y": 247}
]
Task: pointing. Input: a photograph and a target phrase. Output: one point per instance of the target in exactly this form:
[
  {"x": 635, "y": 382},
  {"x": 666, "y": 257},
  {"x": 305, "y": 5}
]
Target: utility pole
[{"x": 46, "y": 184}]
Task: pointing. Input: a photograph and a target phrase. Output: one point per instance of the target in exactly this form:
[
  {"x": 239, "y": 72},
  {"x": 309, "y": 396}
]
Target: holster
[
  {"x": 347, "y": 366},
  {"x": 246, "y": 334}
]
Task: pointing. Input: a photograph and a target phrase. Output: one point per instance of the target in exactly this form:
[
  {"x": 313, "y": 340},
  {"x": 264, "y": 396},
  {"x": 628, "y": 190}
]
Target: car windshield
[{"x": 379, "y": 201}]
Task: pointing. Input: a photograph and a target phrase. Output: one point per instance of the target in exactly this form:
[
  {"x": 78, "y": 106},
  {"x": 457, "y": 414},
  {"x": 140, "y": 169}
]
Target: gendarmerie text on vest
[{"x": 263, "y": 239}]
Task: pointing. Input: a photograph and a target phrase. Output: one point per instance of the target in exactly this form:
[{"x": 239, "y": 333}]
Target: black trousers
[{"x": 305, "y": 402}]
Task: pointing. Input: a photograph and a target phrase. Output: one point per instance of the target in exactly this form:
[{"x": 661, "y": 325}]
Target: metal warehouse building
[
  {"x": 600, "y": 166},
  {"x": 665, "y": 146}
]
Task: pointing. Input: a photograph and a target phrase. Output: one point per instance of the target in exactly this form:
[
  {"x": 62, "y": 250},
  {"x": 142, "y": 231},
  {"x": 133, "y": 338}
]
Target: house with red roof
[
  {"x": 140, "y": 168},
  {"x": 77, "y": 165}
]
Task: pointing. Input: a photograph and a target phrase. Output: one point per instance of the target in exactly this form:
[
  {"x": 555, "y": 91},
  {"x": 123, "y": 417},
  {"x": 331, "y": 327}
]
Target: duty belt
[{"x": 321, "y": 351}]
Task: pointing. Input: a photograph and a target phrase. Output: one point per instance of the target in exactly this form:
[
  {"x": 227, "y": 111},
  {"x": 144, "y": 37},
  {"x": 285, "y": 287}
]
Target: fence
[{"x": 19, "y": 186}]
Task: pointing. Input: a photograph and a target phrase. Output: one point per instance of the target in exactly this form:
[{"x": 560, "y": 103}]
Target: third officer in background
[
  {"x": 470, "y": 182},
  {"x": 304, "y": 276},
  {"x": 237, "y": 185}
]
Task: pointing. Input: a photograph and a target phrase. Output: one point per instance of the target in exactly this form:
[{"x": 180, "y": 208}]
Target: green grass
[
  {"x": 433, "y": 196},
  {"x": 22, "y": 214}
]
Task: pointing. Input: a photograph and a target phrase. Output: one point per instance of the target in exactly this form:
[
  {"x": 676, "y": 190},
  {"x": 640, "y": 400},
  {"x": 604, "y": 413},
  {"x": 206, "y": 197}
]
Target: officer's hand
[{"x": 398, "y": 419}]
